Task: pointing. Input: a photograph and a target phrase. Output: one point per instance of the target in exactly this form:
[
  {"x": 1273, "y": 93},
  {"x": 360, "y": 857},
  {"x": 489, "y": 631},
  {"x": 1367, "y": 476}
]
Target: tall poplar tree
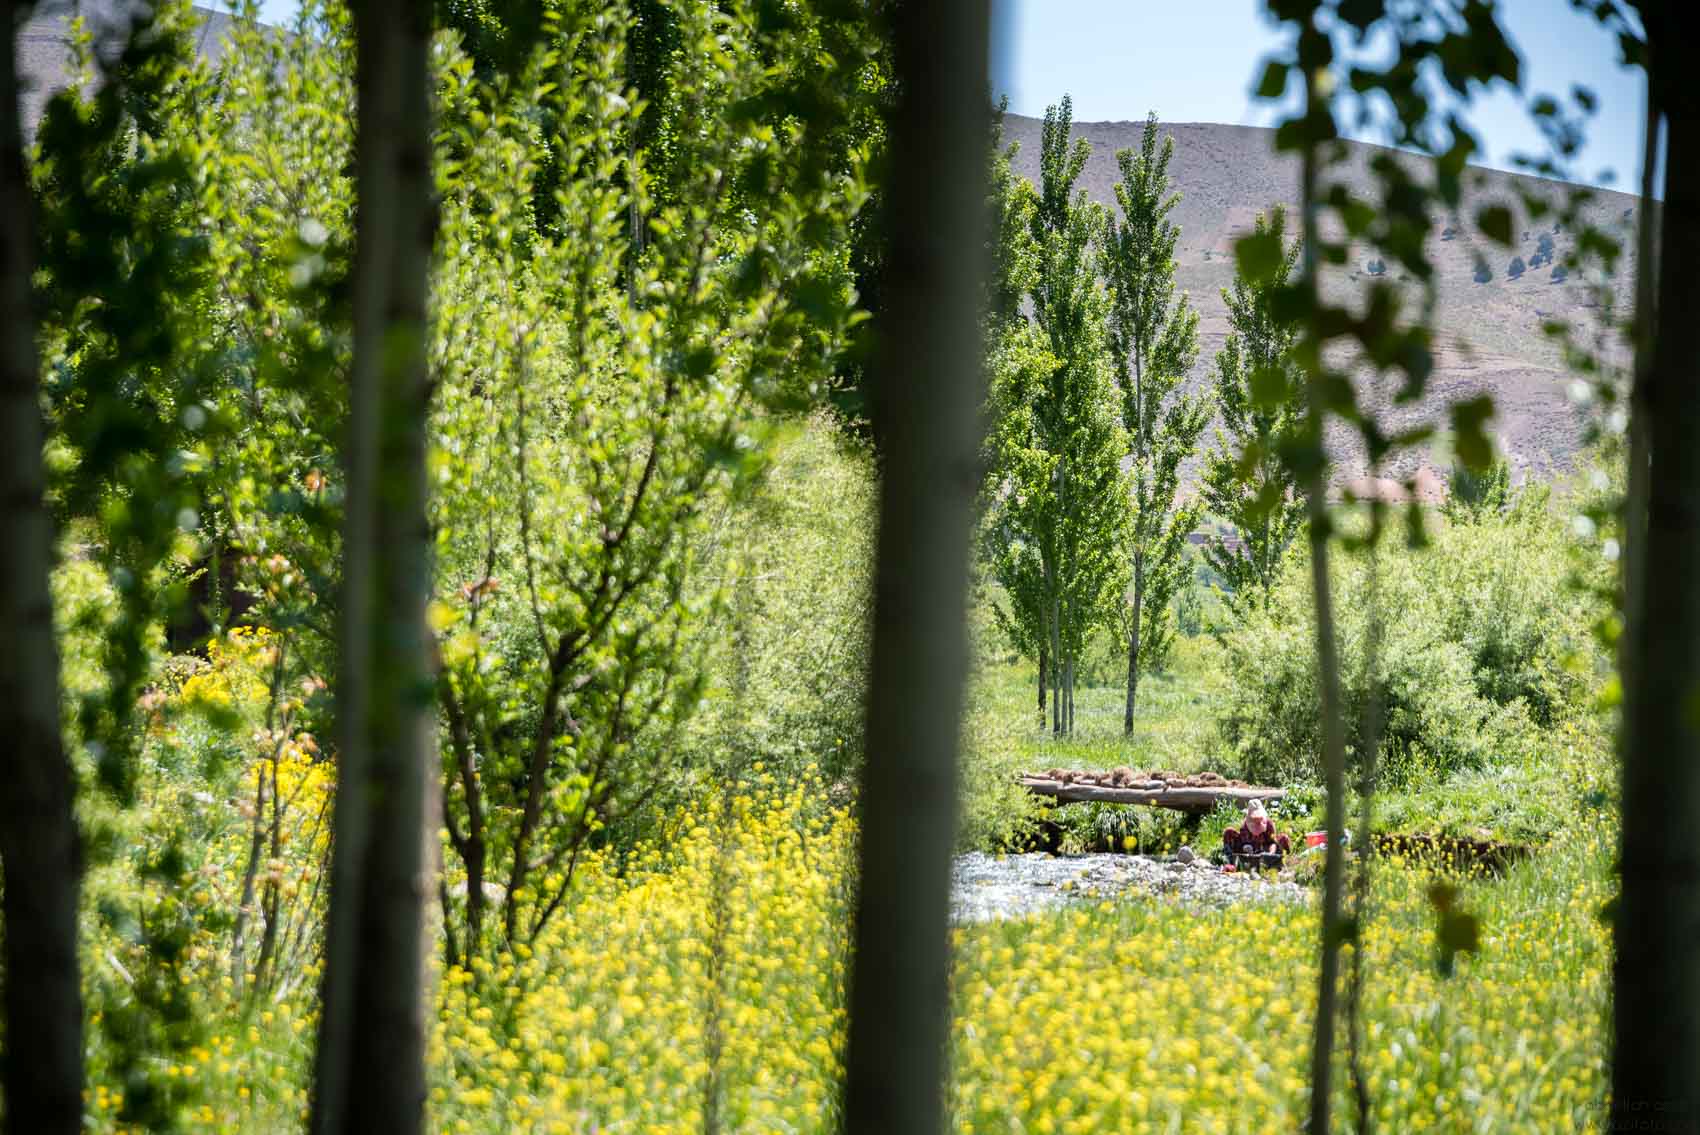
[
  {"x": 1260, "y": 398},
  {"x": 1153, "y": 335},
  {"x": 1060, "y": 499}
]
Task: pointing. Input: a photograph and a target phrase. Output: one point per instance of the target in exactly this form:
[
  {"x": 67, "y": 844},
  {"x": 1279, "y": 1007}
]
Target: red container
[{"x": 1316, "y": 839}]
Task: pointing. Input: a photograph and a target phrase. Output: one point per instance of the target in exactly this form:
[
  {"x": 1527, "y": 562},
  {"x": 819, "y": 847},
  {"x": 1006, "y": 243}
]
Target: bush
[
  {"x": 1515, "y": 268},
  {"x": 1480, "y": 649},
  {"x": 786, "y": 672}
]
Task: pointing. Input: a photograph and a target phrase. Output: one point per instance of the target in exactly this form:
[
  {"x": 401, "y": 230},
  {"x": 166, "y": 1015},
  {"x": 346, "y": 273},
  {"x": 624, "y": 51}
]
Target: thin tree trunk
[
  {"x": 369, "y": 1074},
  {"x": 1071, "y": 696},
  {"x": 1133, "y": 639},
  {"x": 1656, "y": 1055},
  {"x": 1056, "y": 665},
  {"x": 1328, "y": 668},
  {"x": 1042, "y": 655},
  {"x": 1366, "y": 844},
  {"x": 929, "y": 395},
  {"x": 245, "y": 905},
  {"x": 41, "y": 1067}
]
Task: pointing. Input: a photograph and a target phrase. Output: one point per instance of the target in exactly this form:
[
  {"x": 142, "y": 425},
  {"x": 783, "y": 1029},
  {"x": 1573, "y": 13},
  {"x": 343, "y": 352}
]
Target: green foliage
[
  {"x": 1057, "y": 499},
  {"x": 1260, "y": 397},
  {"x": 1473, "y": 493},
  {"x": 125, "y": 288},
  {"x": 1153, "y": 340},
  {"x": 786, "y": 674},
  {"x": 626, "y": 398},
  {"x": 1483, "y": 646}
]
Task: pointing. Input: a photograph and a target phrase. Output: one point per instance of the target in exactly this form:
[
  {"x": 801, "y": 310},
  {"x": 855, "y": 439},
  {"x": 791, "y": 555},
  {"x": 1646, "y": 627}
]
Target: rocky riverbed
[{"x": 985, "y": 887}]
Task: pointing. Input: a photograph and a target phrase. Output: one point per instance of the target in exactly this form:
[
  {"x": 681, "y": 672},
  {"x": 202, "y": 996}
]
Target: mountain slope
[{"x": 1489, "y": 336}]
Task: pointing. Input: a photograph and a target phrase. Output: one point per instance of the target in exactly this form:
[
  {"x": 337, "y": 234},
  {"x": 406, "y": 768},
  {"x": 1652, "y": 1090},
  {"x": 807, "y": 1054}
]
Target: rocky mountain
[{"x": 1489, "y": 333}]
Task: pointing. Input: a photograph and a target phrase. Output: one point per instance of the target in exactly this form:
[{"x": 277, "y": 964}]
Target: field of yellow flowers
[
  {"x": 1136, "y": 1015},
  {"x": 697, "y": 983},
  {"x": 708, "y": 975}
]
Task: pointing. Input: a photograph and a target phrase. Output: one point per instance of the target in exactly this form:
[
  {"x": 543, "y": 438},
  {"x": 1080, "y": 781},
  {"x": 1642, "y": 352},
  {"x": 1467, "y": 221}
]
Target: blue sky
[{"x": 1197, "y": 61}]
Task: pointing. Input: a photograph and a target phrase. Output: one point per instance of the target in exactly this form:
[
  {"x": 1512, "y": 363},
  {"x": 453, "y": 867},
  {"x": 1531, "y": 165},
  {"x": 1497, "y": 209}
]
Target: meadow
[
  {"x": 707, "y": 974},
  {"x": 696, "y": 978}
]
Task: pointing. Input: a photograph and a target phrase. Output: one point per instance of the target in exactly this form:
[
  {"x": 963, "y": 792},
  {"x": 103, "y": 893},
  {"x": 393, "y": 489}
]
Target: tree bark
[
  {"x": 1042, "y": 656},
  {"x": 369, "y": 1074},
  {"x": 1070, "y": 720},
  {"x": 1656, "y": 1052},
  {"x": 929, "y": 392},
  {"x": 1056, "y": 666},
  {"x": 1133, "y": 639},
  {"x": 41, "y": 1067}
]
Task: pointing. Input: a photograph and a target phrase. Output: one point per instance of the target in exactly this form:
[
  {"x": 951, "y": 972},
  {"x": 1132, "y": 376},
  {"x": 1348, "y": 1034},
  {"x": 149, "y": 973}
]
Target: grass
[
  {"x": 704, "y": 973},
  {"x": 1174, "y": 722},
  {"x": 1520, "y": 801},
  {"x": 1130, "y": 1016}
]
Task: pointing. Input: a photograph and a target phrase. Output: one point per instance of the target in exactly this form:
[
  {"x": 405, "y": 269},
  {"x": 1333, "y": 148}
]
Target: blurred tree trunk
[
  {"x": 1656, "y": 1053},
  {"x": 370, "y": 1074},
  {"x": 41, "y": 1074},
  {"x": 929, "y": 392},
  {"x": 1327, "y": 652}
]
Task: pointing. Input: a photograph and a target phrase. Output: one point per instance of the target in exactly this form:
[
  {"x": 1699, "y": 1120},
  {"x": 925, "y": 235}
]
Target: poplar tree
[
  {"x": 1059, "y": 495},
  {"x": 1153, "y": 335},
  {"x": 1259, "y": 397}
]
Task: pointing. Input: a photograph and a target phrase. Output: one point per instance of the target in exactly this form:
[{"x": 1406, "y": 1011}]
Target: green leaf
[
  {"x": 1471, "y": 440},
  {"x": 1268, "y": 386},
  {"x": 1495, "y": 223},
  {"x": 1274, "y": 81},
  {"x": 1258, "y": 256}
]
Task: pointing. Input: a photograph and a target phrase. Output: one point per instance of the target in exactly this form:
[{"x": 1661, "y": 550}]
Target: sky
[{"x": 1198, "y": 60}]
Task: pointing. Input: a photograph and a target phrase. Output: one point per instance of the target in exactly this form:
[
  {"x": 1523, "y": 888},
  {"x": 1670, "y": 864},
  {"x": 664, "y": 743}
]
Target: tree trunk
[
  {"x": 369, "y": 1074},
  {"x": 1056, "y": 667},
  {"x": 1042, "y": 656},
  {"x": 1656, "y": 1054},
  {"x": 1070, "y": 729},
  {"x": 929, "y": 396},
  {"x": 1328, "y": 669},
  {"x": 1133, "y": 639},
  {"x": 41, "y": 1068}
]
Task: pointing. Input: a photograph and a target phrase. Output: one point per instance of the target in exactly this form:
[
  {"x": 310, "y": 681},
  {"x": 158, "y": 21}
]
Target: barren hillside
[{"x": 1490, "y": 336}]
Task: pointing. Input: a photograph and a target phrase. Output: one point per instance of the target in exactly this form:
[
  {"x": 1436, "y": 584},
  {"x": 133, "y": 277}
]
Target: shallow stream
[{"x": 985, "y": 887}]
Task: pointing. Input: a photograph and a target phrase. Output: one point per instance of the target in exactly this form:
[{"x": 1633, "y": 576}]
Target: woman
[{"x": 1256, "y": 836}]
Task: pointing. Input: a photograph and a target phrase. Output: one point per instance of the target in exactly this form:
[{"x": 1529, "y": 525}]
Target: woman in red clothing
[{"x": 1257, "y": 835}]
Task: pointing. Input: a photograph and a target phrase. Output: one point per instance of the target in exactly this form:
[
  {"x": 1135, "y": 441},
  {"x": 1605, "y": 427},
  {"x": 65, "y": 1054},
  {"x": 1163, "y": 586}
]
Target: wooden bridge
[{"x": 1185, "y": 794}]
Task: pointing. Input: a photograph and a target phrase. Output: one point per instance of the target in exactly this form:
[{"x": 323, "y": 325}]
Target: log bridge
[{"x": 1182, "y": 796}]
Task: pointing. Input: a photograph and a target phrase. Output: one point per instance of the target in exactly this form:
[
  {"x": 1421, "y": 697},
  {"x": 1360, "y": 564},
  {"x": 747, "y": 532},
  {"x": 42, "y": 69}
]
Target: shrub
[
  {"x": 786, "y": 674},
  {"x": 1479, "y": 649},
  {"x": 1515, "y": 268},
  {"x": 1483, "y": 272}
]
